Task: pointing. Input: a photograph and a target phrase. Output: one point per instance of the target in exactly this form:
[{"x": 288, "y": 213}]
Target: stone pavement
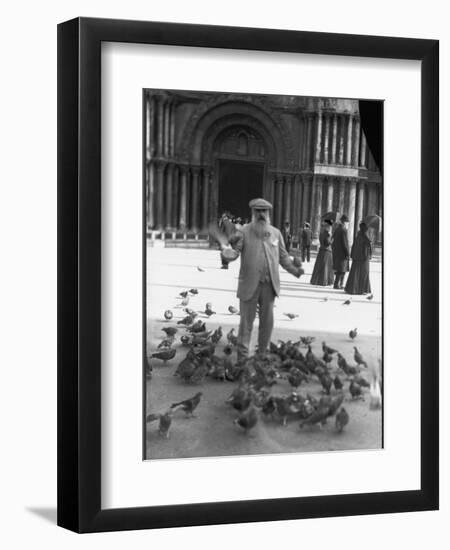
[{"x": 322, "y": 314}]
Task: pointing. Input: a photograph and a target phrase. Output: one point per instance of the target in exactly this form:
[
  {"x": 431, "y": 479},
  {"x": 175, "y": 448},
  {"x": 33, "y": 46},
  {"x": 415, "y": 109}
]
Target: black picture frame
[{"x": 79, "y": 274}]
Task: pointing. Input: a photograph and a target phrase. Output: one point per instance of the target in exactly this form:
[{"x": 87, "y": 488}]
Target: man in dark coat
[
  {"x": 305, "y": 241},
  {"x": 262, "y": 250},
  {"x": 341, "y": 251},
  {"x": 228, "y": 228},
  {"x": 287, "y": 236}
]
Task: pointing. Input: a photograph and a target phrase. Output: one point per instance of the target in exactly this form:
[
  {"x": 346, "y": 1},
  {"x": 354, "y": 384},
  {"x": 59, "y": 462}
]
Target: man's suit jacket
[
  {"x": 341, "y": 252},
  {"x": 250, "y": 248}
]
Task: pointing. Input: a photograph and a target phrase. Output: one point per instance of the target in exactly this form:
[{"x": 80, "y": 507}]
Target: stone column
[
  {"x": 287, "y": 200},
  {"x": 303, "y": 152},
  {"x": 341, "y": 203},
  {"x": 348, "y": 159},
  {"x": 372, "y": 205},
  {"x": 153, "y": 123},
  {"x": 148, "y": 127},
  {"x": 205, "y": 198},
  {"x": 362, "y": 154},
  {"x": 160, "y": 146},
  {"x": 168, "y": 192},
  {"x": 317, "y": 207},
  {"x": 150, "y": 195},
  {"x": 278, "y": 201},
  {"x": 334, "y": 140},
  {"x": 330, "y": 190},
  {"x": 341, "y": 139},
  {"x": 213, "y": 197},
  {"x": 318, "y": 137},
  {"x": 172, "y": 129},
  {"x": 309, "y": 142},
  {"x": 296, "y": 204},
  {"x": 306, "y": 199},
  {"x": 326, "y": 138},
  {"x": 183, "y": 198},
  {"x": 176, "y": 195},
  {"x": 351, "y": 210},
  {"x": 359, "y": 204},
  {"x": 357, "y": 126},
  {"x": 195, "y": 199},
  {"x": 166, "y": 127},
  {"x": 271, "y": 185},
  {"x": 160, "y": 166}
]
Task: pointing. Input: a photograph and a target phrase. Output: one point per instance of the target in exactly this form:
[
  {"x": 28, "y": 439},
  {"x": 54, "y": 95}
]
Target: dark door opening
[{"x": 239, "y": 183}]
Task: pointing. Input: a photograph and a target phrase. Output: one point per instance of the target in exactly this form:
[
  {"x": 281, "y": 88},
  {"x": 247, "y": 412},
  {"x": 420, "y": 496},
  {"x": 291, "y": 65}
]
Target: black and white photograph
[{"x": 264, "y": 274}]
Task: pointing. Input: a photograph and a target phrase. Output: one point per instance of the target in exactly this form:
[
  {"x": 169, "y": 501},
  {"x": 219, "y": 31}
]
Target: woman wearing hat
[
  {"x": 358, "y": 281},
  {"x": 322, "y": 274}
]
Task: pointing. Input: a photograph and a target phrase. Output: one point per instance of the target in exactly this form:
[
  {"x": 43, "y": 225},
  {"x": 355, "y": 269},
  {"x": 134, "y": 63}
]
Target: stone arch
[{"x": 199, "y": 135}]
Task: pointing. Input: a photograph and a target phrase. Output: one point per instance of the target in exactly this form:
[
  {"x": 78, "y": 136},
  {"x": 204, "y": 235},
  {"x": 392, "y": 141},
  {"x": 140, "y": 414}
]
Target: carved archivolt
[{"x": 219, "y": 112}]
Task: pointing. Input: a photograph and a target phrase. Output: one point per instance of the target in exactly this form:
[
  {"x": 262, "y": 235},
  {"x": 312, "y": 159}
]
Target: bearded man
[{"x": 261, "y": 248}]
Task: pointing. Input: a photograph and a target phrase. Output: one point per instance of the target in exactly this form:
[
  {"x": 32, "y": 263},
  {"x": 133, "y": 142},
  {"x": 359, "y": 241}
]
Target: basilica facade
[{"x": 206, "y": 153}]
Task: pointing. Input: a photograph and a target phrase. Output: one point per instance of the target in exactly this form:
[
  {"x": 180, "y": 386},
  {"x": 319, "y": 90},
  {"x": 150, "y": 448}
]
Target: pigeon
[
  {"x": 355, "y": 390},
  {"x": 358, "y": 357},
  {"x": 165, "y": 355},
  {"x": 186, "y": 367},
  {"x": 216, "y": 335},
  {"x": 232, "y": 338},
  {"x": 165, "y": 420},
  {"x": 291, "y": 316},
  {"x": 353, "y": 333},
  {"x": 338, "y": 383},
  {"x": 168, "y": 315},
  {"x": 188, "y": 405},
  {"x": 343, "y": 365},
  {"x": 185, "y": 340},
  {"x": 247, "y": 419},
  {"x": 198, "y": 326},
  {"x": 370, "y": 297},
  {"x": 200, "y": 372},
  {"x": 318, "y": 416},
  {"x": 306, "y": 340},
  {"x": 296, "y": 377},
  {"x": 347, "y": 302},
  {"x": 200, "y": 269},
  {"x": 170, "y": 331},
  {"x": 183, "y": 294},
  {"x": 325, "y": 299},
  {"x": 167, "y": 342},
  {"x": 190, "y": 312},
  {"x": 233, "y": 310},
  {"x": 361, "y": 381},
  {"x": 335, "y": 403},
  {"x": 342, "y": 419},
  {"x": 327, "y": 358},
  {"x": 193, "y": 291},
  {"x": 185, "y": 301},
  {"x": 228, "y": 350},
  {"x": 327, "y": 349},
  {"x": 208, "y": 311},
  {"x": 326, "y": 382},
  {"x": 186, "y": 321},
  {"x": 240, "y": 398}
]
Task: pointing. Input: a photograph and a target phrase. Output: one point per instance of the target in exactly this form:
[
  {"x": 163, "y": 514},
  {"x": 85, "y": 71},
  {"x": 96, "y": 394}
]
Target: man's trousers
[{"x": 263, "y": 297}]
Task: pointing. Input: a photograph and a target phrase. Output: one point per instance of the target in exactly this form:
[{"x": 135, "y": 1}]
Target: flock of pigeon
[{"x": 253, "y": 397}]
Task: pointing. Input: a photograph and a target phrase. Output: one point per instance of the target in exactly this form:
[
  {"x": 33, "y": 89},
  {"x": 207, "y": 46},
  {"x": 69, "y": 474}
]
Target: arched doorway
[{"x": 239, "y": 154}]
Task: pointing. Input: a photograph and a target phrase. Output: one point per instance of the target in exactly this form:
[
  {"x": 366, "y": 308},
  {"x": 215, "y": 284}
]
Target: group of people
[
  {"x": 333, "y": 258},
  {"x": 262, "y": 249}
]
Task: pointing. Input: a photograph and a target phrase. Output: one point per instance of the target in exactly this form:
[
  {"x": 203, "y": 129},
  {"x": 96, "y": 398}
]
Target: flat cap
[{"x": 260, "y": 204}]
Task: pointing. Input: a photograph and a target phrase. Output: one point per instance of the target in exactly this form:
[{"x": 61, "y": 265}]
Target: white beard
[{"x": 259, "y": 227}]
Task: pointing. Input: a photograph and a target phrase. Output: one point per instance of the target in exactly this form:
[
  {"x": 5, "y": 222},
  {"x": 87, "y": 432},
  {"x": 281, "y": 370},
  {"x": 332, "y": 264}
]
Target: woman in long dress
[
  {"x": 322, "y": 274},
  {"x": 358, "y": 281}
]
